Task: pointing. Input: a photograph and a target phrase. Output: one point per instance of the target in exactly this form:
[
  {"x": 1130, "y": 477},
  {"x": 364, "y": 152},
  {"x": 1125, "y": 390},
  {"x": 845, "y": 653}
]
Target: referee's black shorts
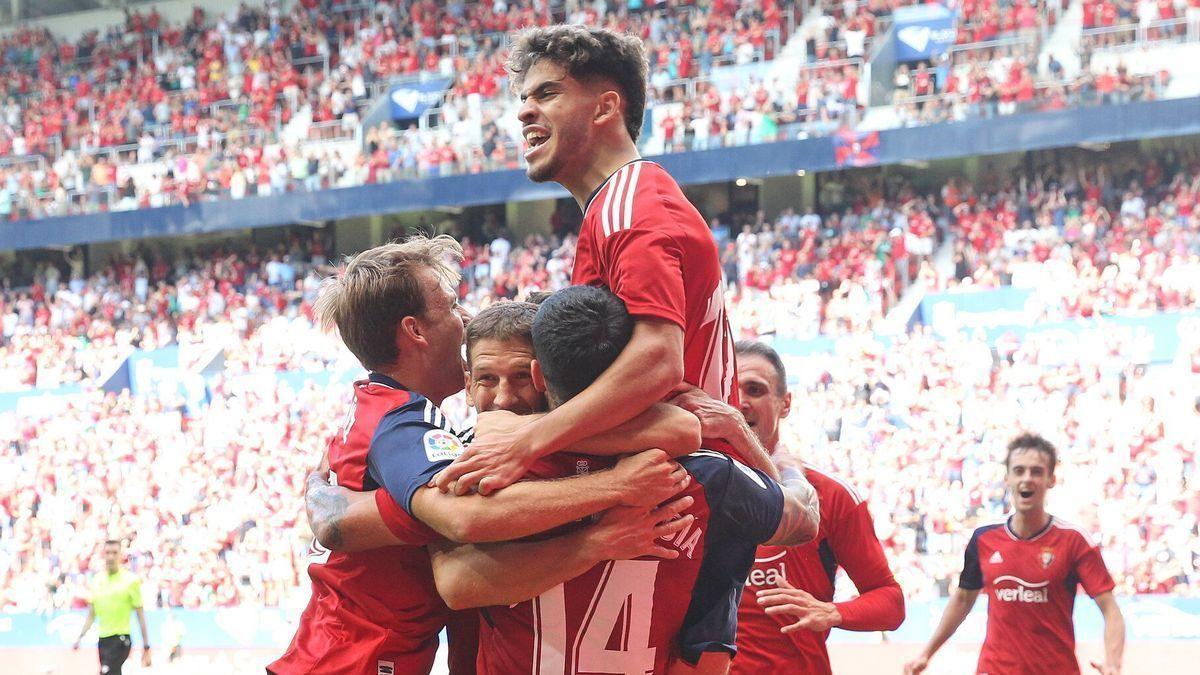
[{"x": 114, "y": 649}]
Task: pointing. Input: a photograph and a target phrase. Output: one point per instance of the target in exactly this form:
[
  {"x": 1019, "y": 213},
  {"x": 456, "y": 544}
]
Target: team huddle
[{"x": 623, "y": 503}]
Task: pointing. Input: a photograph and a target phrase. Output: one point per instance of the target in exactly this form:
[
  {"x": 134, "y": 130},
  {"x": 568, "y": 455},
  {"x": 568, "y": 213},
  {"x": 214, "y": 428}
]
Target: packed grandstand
[
  {"x": 1118, "y": 239},
  {"x": 224, "y": 105},
  {"x": 277, "y": 98}
]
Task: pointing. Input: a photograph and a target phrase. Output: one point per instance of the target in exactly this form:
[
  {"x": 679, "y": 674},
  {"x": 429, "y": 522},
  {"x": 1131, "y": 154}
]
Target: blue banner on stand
[
  {"x": 923, "y": 32},
  {"x": 411, "y": 99}
]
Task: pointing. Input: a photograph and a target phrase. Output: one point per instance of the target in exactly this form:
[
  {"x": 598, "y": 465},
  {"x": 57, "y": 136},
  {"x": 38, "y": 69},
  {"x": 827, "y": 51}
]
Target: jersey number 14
[{"x": 622, "y": 604}]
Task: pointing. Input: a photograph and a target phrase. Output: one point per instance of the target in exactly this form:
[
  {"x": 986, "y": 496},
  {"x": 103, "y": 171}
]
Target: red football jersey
[
  {"x": 374, "y": 611},
  {"x": 1031, "y": 586},
  {"x": 846, "y": 539},
  {"x": 638, "y": 229},
  {"x": 632, "y": 616}
]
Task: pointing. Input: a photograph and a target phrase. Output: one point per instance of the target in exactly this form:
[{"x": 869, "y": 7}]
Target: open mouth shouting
[{"x": 535, "y": 138}]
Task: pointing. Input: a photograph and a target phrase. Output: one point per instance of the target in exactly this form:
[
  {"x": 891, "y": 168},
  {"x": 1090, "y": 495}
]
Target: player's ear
[
  {"x": 538, "y": 377},
  {"x": 608, "y": 107},
  {"x": 467, "y": 388},
  {"x": 787, "y": 405},
  {"x": 410, "y": 331}
]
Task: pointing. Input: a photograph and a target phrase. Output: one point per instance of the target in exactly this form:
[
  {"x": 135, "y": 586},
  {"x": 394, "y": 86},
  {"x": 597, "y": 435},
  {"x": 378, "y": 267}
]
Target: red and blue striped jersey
[{"x": 377, "y": 611}]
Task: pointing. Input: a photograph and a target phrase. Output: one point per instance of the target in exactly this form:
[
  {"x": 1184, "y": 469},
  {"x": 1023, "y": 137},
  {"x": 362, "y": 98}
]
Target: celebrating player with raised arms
[
  {"x": 1031, "y": 565},
  {"x": 584, "y": 94}
]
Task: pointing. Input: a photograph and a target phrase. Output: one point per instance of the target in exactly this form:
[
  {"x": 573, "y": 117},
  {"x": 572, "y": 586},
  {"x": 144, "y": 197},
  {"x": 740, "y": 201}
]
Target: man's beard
[{"x": 545, "y": 173}]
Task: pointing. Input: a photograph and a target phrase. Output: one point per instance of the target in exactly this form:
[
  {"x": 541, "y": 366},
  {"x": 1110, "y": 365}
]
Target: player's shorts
[{"x": 114, "y": 649}]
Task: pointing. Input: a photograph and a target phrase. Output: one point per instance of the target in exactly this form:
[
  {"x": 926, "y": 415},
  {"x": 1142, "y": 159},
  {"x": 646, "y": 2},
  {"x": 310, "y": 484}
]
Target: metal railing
[
  {"x": 1075, "y": 95},
  {"x": 1135, "y": 34},
  {"x": 691, "y": 87},
  {"x": 960, "y": 54},
  {"x": 16, "y": 160},
  {"x": 333, "y": 130},
  {"x": 320, "y": 59}
]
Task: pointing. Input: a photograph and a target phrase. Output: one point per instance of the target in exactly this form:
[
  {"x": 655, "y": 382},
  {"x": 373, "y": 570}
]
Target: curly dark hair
[{"x": 587, "y": 54}]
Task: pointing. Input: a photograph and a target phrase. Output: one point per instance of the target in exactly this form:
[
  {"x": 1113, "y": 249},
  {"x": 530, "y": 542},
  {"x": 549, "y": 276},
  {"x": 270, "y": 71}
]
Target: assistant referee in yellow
[{"x": 116, "y": 593}]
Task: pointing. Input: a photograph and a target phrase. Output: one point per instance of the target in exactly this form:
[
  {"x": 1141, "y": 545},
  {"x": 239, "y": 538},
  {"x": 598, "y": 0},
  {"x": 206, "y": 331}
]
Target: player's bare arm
[
  {"x": 721, "y": 420},
  {"x": 1114, "y": 635},
  {"x": 482, "y": 575},
  {"x": 87, "y": 625},
  {"x": 956, "y": 612},
  {"x": 647, "y": 478},
  {"x": 343, "y": 519},
  {"x": 145, "y": 628},
  {"x": 346, "y": 520},
  {"x": 351, "y": 521},
  {"x": 801, "y": 511},
  {"x": 649, "y": 367},
  {"x": 666, "y": 427}
]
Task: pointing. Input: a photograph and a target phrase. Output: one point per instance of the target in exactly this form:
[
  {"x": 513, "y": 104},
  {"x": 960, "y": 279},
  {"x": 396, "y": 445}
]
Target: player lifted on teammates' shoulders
[
  {"x": 584, "y": 94},
  {"x": 646, "y": 615},
  {"x": 1030, "y": 564}
]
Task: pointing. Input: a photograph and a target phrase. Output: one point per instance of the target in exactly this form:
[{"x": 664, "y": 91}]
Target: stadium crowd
[
  {"x": 220, "y": 106},
  {"x": 1120, "y": 237},
  {"x": 919, "y": 423},
  {"x": 1088, "y": 239}
]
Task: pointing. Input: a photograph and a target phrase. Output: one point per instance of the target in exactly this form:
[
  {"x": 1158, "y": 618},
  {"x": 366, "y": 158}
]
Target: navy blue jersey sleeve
[
  {"x": 411, "y": 444},
  {"x": 971, "y": 578},
  {"x": 745, "y": 509}
]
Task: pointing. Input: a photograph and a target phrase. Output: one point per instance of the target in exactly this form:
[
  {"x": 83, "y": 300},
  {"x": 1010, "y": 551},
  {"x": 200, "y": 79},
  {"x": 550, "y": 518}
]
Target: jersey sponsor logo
[
  {"x": 1023, "y": 591},
  {"x": 764, "y": 573},
  {"x": 441, "y": 445},
  {"x": 996, "y": 558},
  {"x": 385, "y": 668},
  {"x": 1047, "y": 556}
]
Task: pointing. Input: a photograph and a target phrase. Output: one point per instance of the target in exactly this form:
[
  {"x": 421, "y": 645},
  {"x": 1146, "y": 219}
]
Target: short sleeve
[
  {"x": 746, "y": 509},
  {"x": 971, "y": 578},
  {"x": 406, "y": 528},
  {"x": 407, "y": 452},
  {"x": 135, "y": 592},
  {"x": 752, "y": 503},
  {"x": 645, "y": 270},
  {"x": 1089, "y": 567}
]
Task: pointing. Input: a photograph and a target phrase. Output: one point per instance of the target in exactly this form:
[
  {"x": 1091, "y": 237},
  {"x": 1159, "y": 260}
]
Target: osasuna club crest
[{"x": 1047, "y": 556}]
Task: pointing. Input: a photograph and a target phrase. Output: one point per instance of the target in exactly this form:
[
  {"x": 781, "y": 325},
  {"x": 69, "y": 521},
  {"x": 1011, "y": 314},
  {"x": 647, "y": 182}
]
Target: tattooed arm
[
  {"x": 337, "y": 516},
  {"x": 801, "y": 510}
]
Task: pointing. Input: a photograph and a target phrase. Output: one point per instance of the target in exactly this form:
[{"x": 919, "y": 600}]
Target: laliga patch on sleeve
[{"x": 442, "y": 445}]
